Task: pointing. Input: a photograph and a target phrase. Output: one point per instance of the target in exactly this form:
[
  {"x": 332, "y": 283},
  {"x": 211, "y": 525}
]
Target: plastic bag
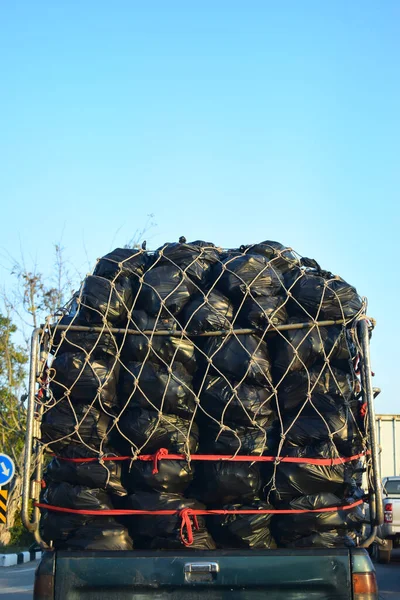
[
  {"x": 195, "y": 258},
  {"x": 325, "y": 539},
  {"x": 164, "y": 531},
  {"x": 243, "y": 531},
  {"x": 77, "y": 497},
  {"x": 248, "y": 273},
  {"x": 105, "y": 475},
  {"x": 172, "y": 476},
  {"x": 64, "y": 426},
  {"x": 140, "y": 428},
  {"x": 218, "y": 483},
  {"x": 241, "y": 357},
  {"x": 297, "y": 349},
  {"x": 94, "y": 343},
  {"x": 243, "y": 405},
  {"x": 165, "y": 288},
  {"x": 302, "y": 479},
  {"x": 236, "y": 439},
  {"x": 320, "y": 380},
  {"x": 324, "y": 296},
  {"x": 102, "y": 300},
  {"x": 280, "y": 257},
  {"x": 71, "y": 375},
  {"x": 163, "y": 349},
  {"x": 207, "y": 312},
  {"x": 152, "y": 387},
  {"x": 263, "y": 311},
  {"x": 125, "y": 262},
  {"x": 96, "y": 535}
]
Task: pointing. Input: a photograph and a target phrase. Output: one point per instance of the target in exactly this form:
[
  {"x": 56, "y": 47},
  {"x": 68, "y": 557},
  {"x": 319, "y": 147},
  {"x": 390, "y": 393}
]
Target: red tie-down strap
[
  {"x": 187, "y": 514},
  {"x": 163, "y": 454}
]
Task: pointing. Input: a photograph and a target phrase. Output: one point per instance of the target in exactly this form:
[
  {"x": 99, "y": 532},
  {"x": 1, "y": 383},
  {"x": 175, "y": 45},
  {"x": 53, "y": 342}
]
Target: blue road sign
[{"x": 7, "y": 469}]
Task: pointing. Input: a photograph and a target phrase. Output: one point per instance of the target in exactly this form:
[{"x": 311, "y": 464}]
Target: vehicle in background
[
  {"x": 389, "y": 531},
  {"x": 388, "y": 434}
]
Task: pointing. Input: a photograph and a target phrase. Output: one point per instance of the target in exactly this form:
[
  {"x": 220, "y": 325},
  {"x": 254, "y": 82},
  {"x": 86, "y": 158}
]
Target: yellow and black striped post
[{"x": 3, "y": 505}]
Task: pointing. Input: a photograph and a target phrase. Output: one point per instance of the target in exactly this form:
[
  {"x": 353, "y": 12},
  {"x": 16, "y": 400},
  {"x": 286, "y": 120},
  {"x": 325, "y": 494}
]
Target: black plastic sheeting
[
  {"x": 325, "y": 539},
  {"x": 324, "y": 296},
  {"x": 104, "y": 475},
  {"x": 172, "y": 476},
  {"x": 237, "y": 404},
  {"x": 249, "y": 273},
  {"x": 60, "y": 422},
  {"x": 140, "y": 428},
  {"x": 85, "y": 380},
  {"x": 93, "y": 342},
  {"x": 195, "y": 258},
  {"x": 125, "y": 262},
  {"x": 164, "y": 531},
  {"x": 102, "y": 299},
  {"x": 167, "y": 283},
  {"x": 239, "y": 439},
  {"x": 243, "y": 531},
  {"x": 262, "y": 312},
  {"x": 210, "y": 312},
  {"x": 154, "y": 387},
  {"x": 281, "y": 258},
  {"x": 77, "y": 497},
  {"x": 299, "y": 349},
  {"x": 241, "y": 357},
  {"x": 218, "y": 483},
  {"x": 159, "y": 349}
]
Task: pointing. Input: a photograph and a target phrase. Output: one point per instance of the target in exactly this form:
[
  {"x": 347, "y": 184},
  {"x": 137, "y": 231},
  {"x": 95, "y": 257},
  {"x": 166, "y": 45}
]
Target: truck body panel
[
  {"x": 388, "y": 430},
  {"x": 315, "y": 574}
]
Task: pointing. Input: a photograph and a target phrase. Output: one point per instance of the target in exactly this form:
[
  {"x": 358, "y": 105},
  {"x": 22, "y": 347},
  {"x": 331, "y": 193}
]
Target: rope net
[{"x": 194, "y": 396}]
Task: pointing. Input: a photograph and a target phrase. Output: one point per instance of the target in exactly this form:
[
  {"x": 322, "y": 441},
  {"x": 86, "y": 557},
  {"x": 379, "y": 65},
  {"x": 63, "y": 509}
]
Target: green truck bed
[{"x": 328, "y": 574}]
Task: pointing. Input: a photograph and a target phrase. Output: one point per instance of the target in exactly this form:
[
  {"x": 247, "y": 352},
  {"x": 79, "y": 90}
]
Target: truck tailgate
[{"x": 190, "y": 575}]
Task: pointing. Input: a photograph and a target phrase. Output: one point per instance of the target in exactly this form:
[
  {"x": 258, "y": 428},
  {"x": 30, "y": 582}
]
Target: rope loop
[
  {"x": 187, "y": 515},
  {"x": 159, "y": 455}
]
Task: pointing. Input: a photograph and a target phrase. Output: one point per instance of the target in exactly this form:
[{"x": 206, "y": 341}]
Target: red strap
[
  {"x": 163, "y": 454},
  {"x": 186, "y": 525}
]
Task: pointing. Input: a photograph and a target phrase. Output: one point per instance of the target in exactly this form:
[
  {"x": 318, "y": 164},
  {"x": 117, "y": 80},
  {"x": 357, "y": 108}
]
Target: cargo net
[{"x": 194, "y": 396}]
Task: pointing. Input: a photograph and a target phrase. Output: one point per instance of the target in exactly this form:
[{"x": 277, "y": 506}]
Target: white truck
[{"x": 389, "y": 531}]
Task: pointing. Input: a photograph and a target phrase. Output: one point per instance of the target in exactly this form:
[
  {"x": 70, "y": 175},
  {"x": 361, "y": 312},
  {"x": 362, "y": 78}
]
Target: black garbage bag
[
  {"x": 163, "y": 349},
  {"x": 102, "y": 300},
  {"x": 140, "y": 428},
  {"x": 165, "y": 290},
  {"x": 169, "y": 476},
  {"x": 104, "y": 475},
  {"x": 312, "y": 427},
  {"x": 241, "y": 530},
  {"x": 263, "y": 311},
  {"x": 241, "y": 439},
  {"x": 289, "y": 527},
  {"x": 325, "y": 539},
  {"x": 164, "y": 531},
  {"x": 93, "y": 342},
  {"x": 339, "y": 386},
  {"x": 207, "y": 312},
  {"x": 237, "y": 404},
  {"x": 281, "y": 258},
  {"x": 125, "y": 262},
  {"x": 248, "y": 273},
  {"x": 82, "y": 380},
  {"x": 66, "y": 425},
  {"x": 98, "y": 534},
  {"x": 195, "y": 258},
  {"x": 152, "y": 387},
  {"x": 297, "y": 349},
  {"x": 57, "y": 527},
  {"x": 303, "y": 479},
  {"x": 239, "y": 357},
  {"x": 321, "y": 295},
  {"x": 77, "y": 497},
  {"x": 218, "y": 483}
]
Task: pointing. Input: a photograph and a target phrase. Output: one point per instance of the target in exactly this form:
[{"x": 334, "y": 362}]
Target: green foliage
[{"x": 19, "y": 535}]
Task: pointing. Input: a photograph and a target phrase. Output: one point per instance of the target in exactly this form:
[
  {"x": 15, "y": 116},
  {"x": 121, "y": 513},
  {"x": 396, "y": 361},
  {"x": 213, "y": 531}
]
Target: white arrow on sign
[{"x": 4, "y": 469}]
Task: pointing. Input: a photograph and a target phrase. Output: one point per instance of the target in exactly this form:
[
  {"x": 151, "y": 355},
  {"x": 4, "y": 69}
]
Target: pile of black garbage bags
[{"x": 208, "y": 370}]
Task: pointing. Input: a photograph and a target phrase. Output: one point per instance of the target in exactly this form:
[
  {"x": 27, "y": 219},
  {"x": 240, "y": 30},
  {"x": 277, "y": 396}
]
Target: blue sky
[{"x": 229, "y": 121}]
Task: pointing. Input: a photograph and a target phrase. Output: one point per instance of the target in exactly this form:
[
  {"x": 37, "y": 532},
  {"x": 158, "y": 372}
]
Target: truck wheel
[{"x": 384, "y": 552}]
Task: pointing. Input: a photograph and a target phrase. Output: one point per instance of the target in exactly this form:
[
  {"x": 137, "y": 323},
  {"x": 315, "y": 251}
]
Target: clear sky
[{"x": 229, "y": 121}]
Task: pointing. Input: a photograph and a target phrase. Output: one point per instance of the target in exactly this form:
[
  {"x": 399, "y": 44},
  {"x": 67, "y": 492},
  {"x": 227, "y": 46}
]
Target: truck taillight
[
  {"x": 365, "y": 586},
  {"x": 388, "y": 515}
]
